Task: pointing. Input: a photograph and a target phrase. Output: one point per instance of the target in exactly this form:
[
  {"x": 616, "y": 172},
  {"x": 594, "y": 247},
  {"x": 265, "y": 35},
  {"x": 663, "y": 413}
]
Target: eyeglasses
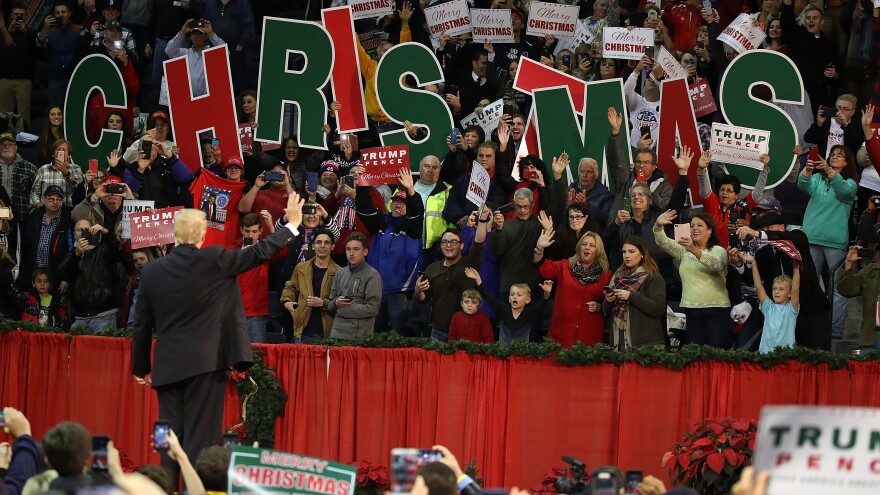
[
  {"x": 450, "y": 242},
  {"x": 575, "y": 218},
  {"x": 837, "y": 155},
  {"x": 523, "y": 207}
]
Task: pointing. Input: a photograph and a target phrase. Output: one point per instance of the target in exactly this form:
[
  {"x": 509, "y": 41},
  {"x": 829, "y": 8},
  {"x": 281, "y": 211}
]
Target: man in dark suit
[{"x": 191, "y": 299}]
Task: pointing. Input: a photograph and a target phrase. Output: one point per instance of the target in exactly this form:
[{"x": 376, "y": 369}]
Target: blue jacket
[
  {"x": 396, "y": 242},
  {"x": 490, "y": 271}
]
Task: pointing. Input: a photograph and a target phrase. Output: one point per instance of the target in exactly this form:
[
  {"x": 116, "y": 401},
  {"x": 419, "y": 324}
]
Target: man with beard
[
  {"x": 445, "y": 280},
  {"x": 510, "y": 147},
  {"x": 16, "y": 176}
]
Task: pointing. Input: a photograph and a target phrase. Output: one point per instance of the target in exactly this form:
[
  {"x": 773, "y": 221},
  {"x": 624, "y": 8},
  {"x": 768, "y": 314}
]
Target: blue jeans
[
  {"x": 831, "y": 258},
  {"x": 95, "y": 324},
  {"x": 305, "y": 340},
  {"x": 159, "y": 57},
  {"x": 395, "y": 312},
  {"x": 257, "y": 328},
  {"x": 439, "y": 335}
]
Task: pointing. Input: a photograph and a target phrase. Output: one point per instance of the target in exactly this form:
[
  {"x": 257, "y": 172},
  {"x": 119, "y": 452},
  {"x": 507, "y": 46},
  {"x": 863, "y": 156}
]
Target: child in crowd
[
  {"x": 43, "y": 306},
  {"x": 470, "y": 323},
  {"x": 780, "y": 312},
  {"x": 518, "y": 318}
]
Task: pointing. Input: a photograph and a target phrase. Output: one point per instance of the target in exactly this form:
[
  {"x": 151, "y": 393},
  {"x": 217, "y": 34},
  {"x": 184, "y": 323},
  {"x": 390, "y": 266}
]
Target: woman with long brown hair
[
  {"x": 636, "y": 298},
  {"x": 577, "y": 311}
]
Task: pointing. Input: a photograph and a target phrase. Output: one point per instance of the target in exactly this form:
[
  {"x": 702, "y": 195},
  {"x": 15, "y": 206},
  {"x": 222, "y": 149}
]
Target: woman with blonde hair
[
  {"x": 577, "y": 312},
  {"x": 636, "y": 298}
]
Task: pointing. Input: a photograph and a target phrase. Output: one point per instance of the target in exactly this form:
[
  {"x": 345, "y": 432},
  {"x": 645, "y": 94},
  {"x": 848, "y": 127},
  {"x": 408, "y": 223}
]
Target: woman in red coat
[{"x": 577, "y": 312}]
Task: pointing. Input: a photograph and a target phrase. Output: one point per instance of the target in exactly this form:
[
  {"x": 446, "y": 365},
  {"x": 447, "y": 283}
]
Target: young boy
[
  {"x": 44, "y": 308},
  {"x": 517, "y": 319},
  {"x": 470, "y": 323},
  {"x": 780, "y": 313}
]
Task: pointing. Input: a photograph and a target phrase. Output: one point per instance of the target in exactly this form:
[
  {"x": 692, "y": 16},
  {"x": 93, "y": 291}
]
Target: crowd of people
[{"x": 572, "y": 259}]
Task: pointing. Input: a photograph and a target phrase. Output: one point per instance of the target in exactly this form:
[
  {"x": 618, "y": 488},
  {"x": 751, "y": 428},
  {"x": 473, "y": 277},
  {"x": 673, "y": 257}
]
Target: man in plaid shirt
[
  {"x": 16, "y": 176},
  {"x": 62, "y": 172}
]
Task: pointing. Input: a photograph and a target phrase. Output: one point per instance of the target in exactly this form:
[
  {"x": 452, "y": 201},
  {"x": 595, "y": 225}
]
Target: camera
[
  {"x": 574, "y": 483},
  {"x": 309, "y": 209}
]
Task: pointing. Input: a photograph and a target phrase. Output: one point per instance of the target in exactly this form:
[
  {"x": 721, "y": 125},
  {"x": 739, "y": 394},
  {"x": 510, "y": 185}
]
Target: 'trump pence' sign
[
  {"x": 153, "y": 228},
  {"x": 819, "y": 450}
]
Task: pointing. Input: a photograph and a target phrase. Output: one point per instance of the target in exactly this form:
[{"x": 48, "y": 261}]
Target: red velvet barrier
[{"x": 515, "y": 417}]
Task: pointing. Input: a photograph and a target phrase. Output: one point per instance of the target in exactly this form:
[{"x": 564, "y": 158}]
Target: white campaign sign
[
  {"x": 739, "y": 145},
  {"x": 368, "y": 9},
  {"x": 478, "y": 188},
  {"x": 819, "y": 450},
  {"x": 742, "y": 35},
  {"x": 490, "y": 119},
  {"x": 582, "y": 35},
  {"x": 629, "y": 44},
  {"x": 670, "y": 66},
  {"x": 130, "y": 206},
  {"x": 493, "y": 25},
  {"x": 553, "y": 19},
  {"x": 452, "y": 18}
]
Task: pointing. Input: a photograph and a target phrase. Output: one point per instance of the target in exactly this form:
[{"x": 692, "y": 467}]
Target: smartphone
[
  {"x": 215, "y": 143},
  {"x": 151, "y": 123},
  {"x": 649, "y": 52},
  {"x": 829, "y": 112},
  {"x": 566, "y": 61},
  {"x": 230, "y": 440},
  {"x": 607, "y": 290},
  {"x": 876, "y": 202},
  {"x": 866, "y": 253},
  {"x": 642, "y": 176},
  {"x": 405, "y": 465},
  {"x": 453, "y": 135},
  {"x": 451, "y": 89},
  {"x": 247, "y": 241},
  {"x": 631, "y": 481},
  {"x": 118, "y": 44},
  {"x": 603, "y": 483},
  {"x": 147, "y": 148},
  {"x": 272, "y": 176},
  {"x": 349, "y": 181},
  {"x": 707, "y": 5},
  {"x": 506, "y": 209},
  {"x": 312, "y": 181},
  {"x": 509, "y": 110},
  {"x": 99, "y": 453},
  {"x": 682, "y": 230},
  {"x": 309, "y": 209},
  {"x": 627, "y": 204},
  {"x": 93, "y": 166},
  {"x": 114, "y": 188},
  {"x": 814, "y": 154},
  {"x": 59, "y": 155},
  {"x": 161, "y": 429},
  {"x": 546, "y": 52},
  {"x": 645, "y": 130},
  {"x": 92, "y": 238},
  {"x": 530, "y": 175},
  {"x": 5, "y": 214}
]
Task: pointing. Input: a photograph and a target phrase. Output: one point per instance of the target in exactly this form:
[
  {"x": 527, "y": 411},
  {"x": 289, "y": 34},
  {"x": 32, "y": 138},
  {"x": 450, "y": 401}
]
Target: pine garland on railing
[{"x": 578, "y": 355}]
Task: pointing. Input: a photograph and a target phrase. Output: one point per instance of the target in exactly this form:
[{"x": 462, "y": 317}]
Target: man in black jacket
[
  {"x": 93, "y": 273},
  {"x": 191, "y": 299},
  {"x": 47, "y": 238}
]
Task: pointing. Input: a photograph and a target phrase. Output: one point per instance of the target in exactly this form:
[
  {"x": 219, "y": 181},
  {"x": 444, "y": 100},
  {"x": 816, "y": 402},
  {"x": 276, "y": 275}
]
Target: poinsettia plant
[
  {"x": 711, "y": 456},
  {"x": 372, "y": 479}
]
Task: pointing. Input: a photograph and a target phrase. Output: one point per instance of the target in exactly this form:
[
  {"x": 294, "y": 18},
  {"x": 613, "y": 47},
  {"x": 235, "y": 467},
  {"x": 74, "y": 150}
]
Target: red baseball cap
[
  {"x": 111, "y": 179},
  {"x": 160, "y": 115},
  {"x": 233, "y": 161},
  {"x": 401, "y": 195}
]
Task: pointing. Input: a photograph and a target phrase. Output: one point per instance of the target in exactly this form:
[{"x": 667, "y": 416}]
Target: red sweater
[{"x": 475, "y": 327}]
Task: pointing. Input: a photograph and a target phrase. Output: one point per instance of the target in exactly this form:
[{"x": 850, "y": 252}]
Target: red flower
[
  {"x": 372, "y": 476},
  {"x": 237, "y": 376}
]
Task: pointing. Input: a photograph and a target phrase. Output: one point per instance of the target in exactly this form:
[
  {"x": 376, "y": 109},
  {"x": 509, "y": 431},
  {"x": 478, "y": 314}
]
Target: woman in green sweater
[
  {"x": 703, "y": 270},
  {"x": 832, "y": 189}
]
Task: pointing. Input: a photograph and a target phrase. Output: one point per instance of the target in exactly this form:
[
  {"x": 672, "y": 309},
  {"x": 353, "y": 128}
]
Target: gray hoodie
[{"x": 363, "y": 284}]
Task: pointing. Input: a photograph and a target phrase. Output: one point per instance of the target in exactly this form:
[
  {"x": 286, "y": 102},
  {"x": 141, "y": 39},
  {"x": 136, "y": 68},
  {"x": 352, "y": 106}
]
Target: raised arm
[{"x": 756, "y": 276}]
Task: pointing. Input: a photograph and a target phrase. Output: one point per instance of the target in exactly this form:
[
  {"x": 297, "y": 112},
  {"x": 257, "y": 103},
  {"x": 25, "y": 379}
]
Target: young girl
[{"x": 780, "y": 313}]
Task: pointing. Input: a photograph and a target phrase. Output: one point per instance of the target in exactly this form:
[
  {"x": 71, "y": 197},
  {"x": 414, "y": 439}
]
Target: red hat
[
  {"x": 111, "y": 179},
  {"x": 233, "y": 161},
  {"x": 401, "y": 195},
  {"x": 160, "y": 115}
]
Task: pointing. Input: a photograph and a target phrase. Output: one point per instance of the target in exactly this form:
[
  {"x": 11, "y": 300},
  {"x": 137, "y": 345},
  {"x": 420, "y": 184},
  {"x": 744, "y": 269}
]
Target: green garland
[{"x": 262, "y": 397}]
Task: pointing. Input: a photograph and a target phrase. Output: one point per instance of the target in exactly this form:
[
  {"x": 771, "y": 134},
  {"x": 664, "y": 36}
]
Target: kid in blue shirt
[{"x": 780, "y": 312}]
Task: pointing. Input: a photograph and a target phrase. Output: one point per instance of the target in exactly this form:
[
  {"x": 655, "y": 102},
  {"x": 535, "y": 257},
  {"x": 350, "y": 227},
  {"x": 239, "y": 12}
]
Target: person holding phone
[
  {"x": 832, "y": 189},
  {"x": 684, "y": 20},
  {"x": 837, "y": 125},
  {"x": 121, "y": 51},
  {"x": 104, "y": 206},
  {"x": 201, "y": 35},
  {"x": 17, "y": 73},
  {"x": 158, "y": 127},
  {"x": 61, "y": 172},
  {"x": 159, "y": 174},
  {"x": 863, "y": 279},
  {"x": 813, "y": 52},
  {"x": 357, "y": 292},
  {"x": 703, "y": 270},
  {"x": 59, "y": 38},
  {"x": 644, "y": 108}
]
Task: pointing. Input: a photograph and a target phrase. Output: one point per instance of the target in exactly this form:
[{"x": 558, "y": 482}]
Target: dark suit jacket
[{"x": 191, "y": 298}]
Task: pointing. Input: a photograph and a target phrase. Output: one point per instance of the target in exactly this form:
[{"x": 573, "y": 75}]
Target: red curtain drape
[{"x": 514, "y": 417}]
